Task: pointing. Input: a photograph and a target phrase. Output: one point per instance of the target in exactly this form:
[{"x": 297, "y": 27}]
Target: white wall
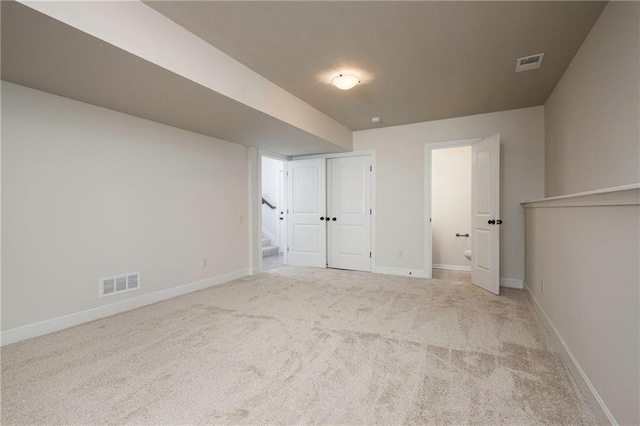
[
  {"x": 451, "y": 205},
  {"x": 89, "y": 193},
  {"x": 400, "y": 181},
  {"x": 271, "y": 169},
  {"x": 592, "y": 132}
]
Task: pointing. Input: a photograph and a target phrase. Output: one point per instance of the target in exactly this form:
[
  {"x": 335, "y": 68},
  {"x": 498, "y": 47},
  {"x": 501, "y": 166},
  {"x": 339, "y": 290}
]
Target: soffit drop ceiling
[
  {"x": 45, "y": 54},
  {"x": 421, "y": 61}
]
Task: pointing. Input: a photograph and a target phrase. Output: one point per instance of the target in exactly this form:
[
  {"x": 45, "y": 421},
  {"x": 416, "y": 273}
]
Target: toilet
[{"x": 467, "y": 254}]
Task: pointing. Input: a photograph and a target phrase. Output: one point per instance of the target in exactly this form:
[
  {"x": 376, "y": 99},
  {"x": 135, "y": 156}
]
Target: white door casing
[
  {"x": 349, "y": 230},
  {"x": 485, "y": 204},
  {"x": 428, "y": 160},
  {"x": 306, "y": 232}
]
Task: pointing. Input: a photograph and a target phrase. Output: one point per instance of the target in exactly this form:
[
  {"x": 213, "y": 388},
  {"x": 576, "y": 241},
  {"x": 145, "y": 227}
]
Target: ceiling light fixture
[{"x": 345, "y": 81}]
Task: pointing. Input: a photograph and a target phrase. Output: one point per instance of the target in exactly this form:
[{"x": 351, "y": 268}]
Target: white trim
[
  {"x": 615, "y": 196},
  {"x": 336, "y": 155},
  {"x": 452, "y": 267},
  {"x": 452, "y": 143},
  {"x": 588, "y": 390},
  {"x": 263, "y": 153},
  {"x": 428, "y": 232},
  {"x": 59, "y": 323},
  {"x": 428, "y": 237},
  {"x": 258, "y": 200},
  {"x": 388, "y": 270},
  {"x": 374, "y": 208},
  {"x": 252, "y": 224},
  {"x": 511, "y": 283}
]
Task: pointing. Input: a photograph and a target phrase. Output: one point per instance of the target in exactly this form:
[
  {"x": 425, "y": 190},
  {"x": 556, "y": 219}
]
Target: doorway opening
[
  {"x": 451, "y": 213},
  {"x": 273, "y": 213},
  {"x": 484, "y": 232}
]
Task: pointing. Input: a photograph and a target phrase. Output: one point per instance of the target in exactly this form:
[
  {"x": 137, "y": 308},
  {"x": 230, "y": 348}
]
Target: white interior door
[
  {"x": 350, "y": 213},
  {"x": 485, "y": 204},
  {"x": 282, "y": 202},
  {"x": 306, "y": 226}
]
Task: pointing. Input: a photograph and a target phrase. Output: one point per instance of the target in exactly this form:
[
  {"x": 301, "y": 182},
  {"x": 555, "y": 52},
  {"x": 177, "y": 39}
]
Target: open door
[
  {"x": 306, "y": 225},
  {"x": 485, "y": 222},
  {"x": 282, "y": 208}
]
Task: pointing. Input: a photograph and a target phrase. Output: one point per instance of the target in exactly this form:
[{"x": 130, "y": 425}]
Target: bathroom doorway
[
  {"x": 483, "y": 237},
  {"x": 451, "y": 213},
  {"x": 273, "y": 213}
]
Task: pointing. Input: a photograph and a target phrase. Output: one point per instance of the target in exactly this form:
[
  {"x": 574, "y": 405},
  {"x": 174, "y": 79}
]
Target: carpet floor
[{"x": 301, "y": 345}]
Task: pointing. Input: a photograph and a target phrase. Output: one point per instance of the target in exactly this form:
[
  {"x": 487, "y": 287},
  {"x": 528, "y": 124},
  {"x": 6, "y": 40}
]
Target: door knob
[
  {"x": 282, "y": 218},
  {"x": 322, "y": 218},
  {"x": 491, "y": 222},
  {"x": 334, "y": 219},
  {"x": 499, "y": 222}
]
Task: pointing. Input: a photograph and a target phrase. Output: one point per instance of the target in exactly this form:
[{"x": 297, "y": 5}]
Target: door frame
[
  {"x": 428, "y": 190},
  {"x": 258, "y": 201},
  {"x": 371, "y": 153}
]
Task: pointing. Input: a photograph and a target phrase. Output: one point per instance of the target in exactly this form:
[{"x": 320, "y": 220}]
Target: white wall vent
[
  {"x": 528, "y": 63},
  {"x": 119, "y": 284}
]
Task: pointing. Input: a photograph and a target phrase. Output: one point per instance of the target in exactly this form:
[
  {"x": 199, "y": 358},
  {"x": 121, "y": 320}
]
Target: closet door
[
  {"x": 350, "y": 213},
  {"x": 307, "y": 231}
]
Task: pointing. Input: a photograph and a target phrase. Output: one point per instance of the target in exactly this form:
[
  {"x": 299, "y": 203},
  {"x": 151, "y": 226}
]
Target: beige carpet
[{"x": 301, "y": 345}]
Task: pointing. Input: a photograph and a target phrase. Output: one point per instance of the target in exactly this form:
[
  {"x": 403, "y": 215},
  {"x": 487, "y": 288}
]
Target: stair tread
[{"x": 270, "y": 250}]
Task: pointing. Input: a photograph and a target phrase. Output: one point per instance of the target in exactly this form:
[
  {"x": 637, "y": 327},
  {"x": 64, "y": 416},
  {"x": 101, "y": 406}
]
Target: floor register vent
[{"x": 119, "y": 284}]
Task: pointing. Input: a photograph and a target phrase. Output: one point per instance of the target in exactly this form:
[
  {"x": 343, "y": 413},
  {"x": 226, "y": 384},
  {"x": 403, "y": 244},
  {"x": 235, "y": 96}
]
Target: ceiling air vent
[
  {"x": 528, "y": 63},
  {"x": 119, "y": 284}
]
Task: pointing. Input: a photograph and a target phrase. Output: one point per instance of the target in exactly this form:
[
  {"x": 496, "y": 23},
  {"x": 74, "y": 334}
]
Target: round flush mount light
[{"x": 345, "y": 81}]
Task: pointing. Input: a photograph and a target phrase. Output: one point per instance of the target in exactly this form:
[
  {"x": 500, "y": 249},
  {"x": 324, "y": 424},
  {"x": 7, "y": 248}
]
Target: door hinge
[
  {"x": 429, "y": 220},
  {"x": 369, "y": 254},
  {"x": 370, "y": 168},
  {"x": 287, "y": 248},
  {"x": 287, "y": 173},
  {"x": 287, "y": 211},
  {"x": 370, "y": 211}
]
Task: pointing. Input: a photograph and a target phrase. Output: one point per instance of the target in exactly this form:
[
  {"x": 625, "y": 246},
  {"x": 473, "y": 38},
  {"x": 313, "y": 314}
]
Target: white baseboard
[
  {"x": 594, "y": 399},
  {"x": 452, "y": 267},
  {"x": 511, "y": 283},
  {"x": 416, "y": 273},
  {"x": 59, "y": 323}
]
